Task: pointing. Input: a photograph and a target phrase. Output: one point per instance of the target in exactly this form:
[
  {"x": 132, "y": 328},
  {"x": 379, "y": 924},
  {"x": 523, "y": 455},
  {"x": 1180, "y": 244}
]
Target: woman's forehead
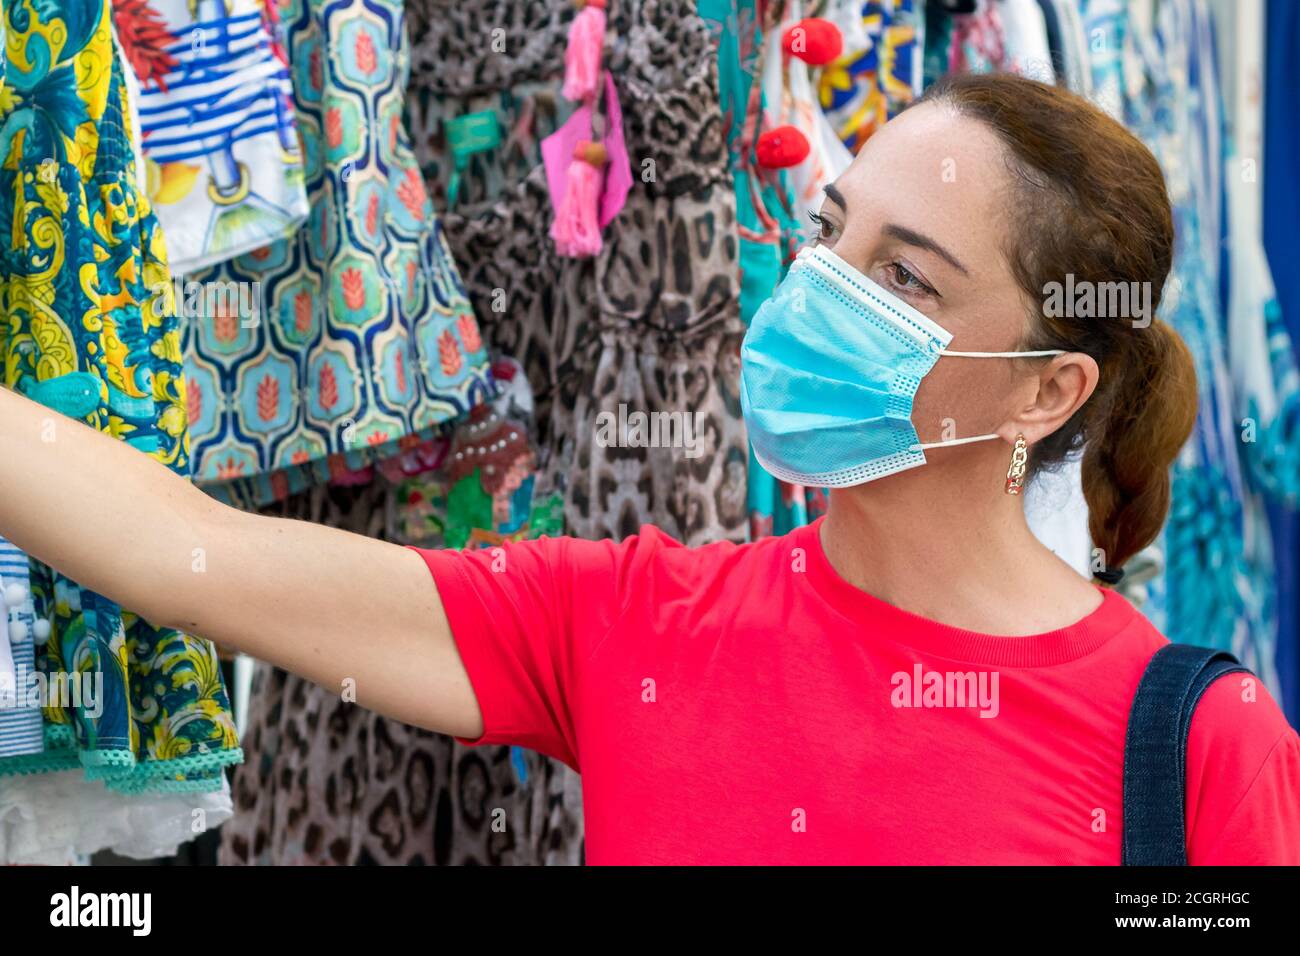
[
  {"x": 933, "y": 171},
  {"x": 933, "y": 146}
]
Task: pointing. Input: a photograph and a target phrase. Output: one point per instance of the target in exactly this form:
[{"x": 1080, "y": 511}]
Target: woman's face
[{"x": 924, "y": 210}]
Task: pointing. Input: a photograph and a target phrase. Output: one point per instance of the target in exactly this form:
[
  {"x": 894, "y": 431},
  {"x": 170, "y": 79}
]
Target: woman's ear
[{"x": 1057, "y": 391}]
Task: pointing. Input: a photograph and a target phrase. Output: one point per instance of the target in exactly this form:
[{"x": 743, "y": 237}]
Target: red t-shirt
[{"x": 744, "y": 704}]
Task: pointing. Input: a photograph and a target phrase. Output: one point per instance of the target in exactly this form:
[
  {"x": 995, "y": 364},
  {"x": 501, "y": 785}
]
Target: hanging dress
[
  {"x": 355, "y": 340},
  {"x": 216, "y": 112},
  {"x": 86, "y": 326},
  {"x": 329, "y": 782},
  {"x": 767, "y": 226},
  {"x": 651, "y": 323},
  {"x": 1217, "y": 586}
]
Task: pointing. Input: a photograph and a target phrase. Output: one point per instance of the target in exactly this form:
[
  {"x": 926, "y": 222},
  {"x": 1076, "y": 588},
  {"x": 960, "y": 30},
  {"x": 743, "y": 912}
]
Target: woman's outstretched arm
[{"x": 328, "y": 605}]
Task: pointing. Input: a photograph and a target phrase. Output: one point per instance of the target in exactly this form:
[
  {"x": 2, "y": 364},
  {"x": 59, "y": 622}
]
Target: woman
[{"x": 774, "y": 702}]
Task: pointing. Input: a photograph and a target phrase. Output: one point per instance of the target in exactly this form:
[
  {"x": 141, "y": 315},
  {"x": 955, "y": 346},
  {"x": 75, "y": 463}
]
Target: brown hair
[{"x": 1091, "y": 200}]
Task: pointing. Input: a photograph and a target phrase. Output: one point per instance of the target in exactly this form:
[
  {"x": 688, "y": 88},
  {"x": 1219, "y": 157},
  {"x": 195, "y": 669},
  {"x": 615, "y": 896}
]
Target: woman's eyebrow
[{"x": 901, "y": 233}]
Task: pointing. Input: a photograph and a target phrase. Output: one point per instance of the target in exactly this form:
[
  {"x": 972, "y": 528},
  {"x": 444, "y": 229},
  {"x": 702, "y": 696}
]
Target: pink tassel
[
  {"x": 583, "y": 55},
  {"x": 576, "y": 229}
]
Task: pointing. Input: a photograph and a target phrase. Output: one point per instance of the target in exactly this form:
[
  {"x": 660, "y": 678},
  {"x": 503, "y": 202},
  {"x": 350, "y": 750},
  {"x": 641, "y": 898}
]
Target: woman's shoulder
[
  {"x": 1237, "y": 721},
  {"x": 1243, "y": 777},
  {"x": 1242, "y": 763}
]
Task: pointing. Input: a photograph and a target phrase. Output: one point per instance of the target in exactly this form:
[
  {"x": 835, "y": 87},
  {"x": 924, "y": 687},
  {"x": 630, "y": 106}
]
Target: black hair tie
[{"x": 1111, "y": 577}]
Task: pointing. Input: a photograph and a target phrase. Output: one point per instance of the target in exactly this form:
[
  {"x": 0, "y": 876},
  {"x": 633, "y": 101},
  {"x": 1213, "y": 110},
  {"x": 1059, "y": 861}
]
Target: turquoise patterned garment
[
  {"x": 145, "y": 708},
  {"x": 353, "y": 336},
  {"x": 768, "y": 229}
]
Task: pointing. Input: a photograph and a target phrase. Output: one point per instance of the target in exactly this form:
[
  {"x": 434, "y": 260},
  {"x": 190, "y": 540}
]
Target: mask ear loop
[
  {"x": 1038, "y": 354},
  {"x": 1041, "y": 353},
  {"x": 952, "y": 441}
]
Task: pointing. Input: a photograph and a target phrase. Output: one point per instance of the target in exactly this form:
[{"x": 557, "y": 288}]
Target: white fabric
[
  {"x": 847, "y": 15},
  {"x": 49, "y": 819},
  {"x": 1251, "y": 292},
  {"x": 1256, "y": 387},
  {"x": 1140, "y": 24},
  {"x": 133, "y": 105},
  {"x": 1024, "y": 39},
  {"x": 1074, "y": 43},
  {"x": 1252, "y": 287},
  {"x": 1057, "y": 514}
]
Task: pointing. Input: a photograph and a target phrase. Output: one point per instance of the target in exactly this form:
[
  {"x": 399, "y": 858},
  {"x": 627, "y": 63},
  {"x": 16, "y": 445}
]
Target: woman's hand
[{"x": 345, "y": 611}]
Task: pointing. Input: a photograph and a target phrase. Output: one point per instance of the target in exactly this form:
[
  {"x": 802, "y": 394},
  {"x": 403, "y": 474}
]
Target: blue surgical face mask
[{"x": 829, "y": 369}]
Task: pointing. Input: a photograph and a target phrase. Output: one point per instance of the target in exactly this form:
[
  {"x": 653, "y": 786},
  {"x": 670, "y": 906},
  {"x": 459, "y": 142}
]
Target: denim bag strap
[{"x": 1155, "y": 751}]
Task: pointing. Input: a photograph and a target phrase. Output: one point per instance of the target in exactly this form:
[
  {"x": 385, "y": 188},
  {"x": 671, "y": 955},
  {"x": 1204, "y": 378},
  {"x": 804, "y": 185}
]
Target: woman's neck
[{"x": 961, "y": 556}]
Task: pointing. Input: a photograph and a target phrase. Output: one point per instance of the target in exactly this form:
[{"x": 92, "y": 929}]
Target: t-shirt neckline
[{"x": 1069, "y": 643}]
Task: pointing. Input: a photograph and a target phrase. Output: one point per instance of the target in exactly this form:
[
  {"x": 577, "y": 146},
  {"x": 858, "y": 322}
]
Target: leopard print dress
[
  {"x": 652, "y": 323},
  {"x": 329, "y": 782}
]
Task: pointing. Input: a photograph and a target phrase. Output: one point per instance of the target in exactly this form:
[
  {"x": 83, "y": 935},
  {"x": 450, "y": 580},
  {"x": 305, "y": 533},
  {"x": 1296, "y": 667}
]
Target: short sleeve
[
  {"x": 1243, "y": 778},
  {"x": 526, "y": 616}
]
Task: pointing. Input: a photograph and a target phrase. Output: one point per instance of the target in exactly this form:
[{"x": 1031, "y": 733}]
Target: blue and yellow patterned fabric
[
  {"x": 865, "y": 88},
  {"x": 363, "y": 338},
  {"x": 80, "y": 264}
]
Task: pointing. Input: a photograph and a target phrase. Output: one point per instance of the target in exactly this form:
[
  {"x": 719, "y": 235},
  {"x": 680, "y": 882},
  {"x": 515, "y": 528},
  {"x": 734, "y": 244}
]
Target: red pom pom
[
  {"x": 782, "y": 147},
  {"x": 814, "y": 40}
]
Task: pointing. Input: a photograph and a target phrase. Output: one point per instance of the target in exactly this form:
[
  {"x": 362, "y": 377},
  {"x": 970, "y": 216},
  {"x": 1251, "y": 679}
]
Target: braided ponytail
[{"x": 1135, "y": 433}]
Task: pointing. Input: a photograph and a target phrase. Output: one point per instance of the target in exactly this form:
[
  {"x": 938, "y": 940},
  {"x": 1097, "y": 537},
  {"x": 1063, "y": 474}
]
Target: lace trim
[{"x": 121, "y": 772}]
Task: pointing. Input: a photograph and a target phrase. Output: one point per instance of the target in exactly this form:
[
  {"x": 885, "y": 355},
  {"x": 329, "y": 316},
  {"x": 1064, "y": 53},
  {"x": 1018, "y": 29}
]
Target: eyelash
[
  {"x": 821, "y": 222},
  {"x": 912, "y": 285},
  {"x": 921, "y": 287}
]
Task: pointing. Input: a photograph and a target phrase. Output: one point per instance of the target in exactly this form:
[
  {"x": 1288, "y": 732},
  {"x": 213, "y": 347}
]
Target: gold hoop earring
[{"x": 1016, "y": 473}]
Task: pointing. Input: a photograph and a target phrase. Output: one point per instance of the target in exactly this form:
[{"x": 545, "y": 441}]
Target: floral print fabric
[{"x": 80, "y": 259}]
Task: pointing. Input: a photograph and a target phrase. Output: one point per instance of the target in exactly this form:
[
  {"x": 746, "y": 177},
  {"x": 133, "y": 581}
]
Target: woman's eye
[
  {"x": 904, "y": 279},
  {"x": 825, "y": 228}
]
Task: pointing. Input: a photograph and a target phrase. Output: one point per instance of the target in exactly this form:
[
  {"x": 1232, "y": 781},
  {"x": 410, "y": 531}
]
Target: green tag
[{"x": 467, "y": 135}]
